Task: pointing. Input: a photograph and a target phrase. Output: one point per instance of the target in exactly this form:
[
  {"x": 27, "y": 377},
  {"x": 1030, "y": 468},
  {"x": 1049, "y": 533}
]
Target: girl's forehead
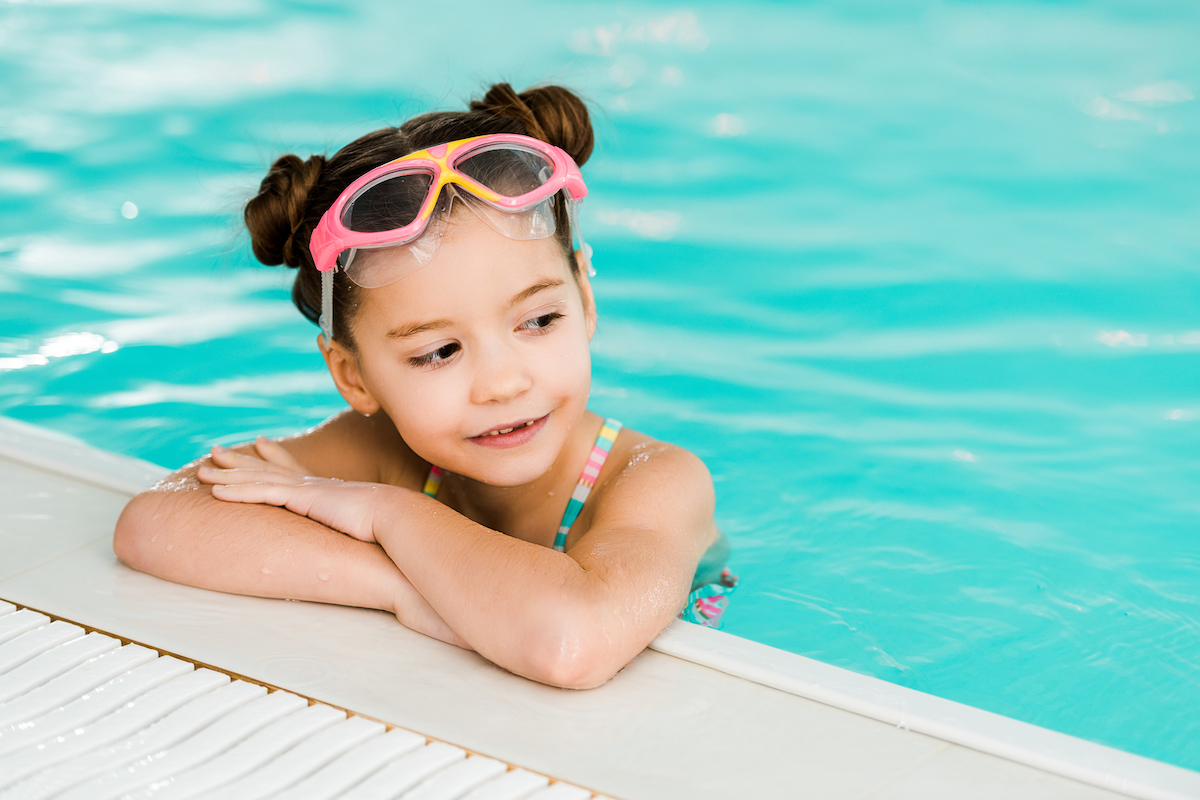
[{"x": 475, "y": 270}]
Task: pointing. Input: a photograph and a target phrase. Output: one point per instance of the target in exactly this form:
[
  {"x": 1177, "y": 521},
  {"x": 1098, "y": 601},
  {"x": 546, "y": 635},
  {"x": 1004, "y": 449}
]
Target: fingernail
[{"x": 217, "y": 448}]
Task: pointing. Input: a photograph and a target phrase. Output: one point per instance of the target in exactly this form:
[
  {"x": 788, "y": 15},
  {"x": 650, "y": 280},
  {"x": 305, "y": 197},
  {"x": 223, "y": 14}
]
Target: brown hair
[{"x": 295, "y": 193}]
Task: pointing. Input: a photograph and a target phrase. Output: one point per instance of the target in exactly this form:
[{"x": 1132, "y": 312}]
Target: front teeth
[{"x": 510, "y": 430}]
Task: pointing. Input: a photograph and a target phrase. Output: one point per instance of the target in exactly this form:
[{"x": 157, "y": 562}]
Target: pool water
[{"x": 919, "y": 283}]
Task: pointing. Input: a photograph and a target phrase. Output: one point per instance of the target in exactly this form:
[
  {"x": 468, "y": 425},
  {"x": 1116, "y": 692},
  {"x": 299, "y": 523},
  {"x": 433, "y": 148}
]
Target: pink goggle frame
[
  {"x": 441, "y": 166},
  {"x": 331, "y": 237}
]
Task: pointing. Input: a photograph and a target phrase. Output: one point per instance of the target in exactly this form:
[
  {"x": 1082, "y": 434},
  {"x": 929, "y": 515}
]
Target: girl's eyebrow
[
  {"x": 412, "y": 329},
  {"x": 541, "y": 286},
  {"x": 405, "y": 331}
]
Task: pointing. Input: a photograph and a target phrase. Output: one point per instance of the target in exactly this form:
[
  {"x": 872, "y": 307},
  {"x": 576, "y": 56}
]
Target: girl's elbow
[
  {"x": 130, "y": 537},
  {"x": 569, "y": 671},
  {"x": 571, "y": 658}
]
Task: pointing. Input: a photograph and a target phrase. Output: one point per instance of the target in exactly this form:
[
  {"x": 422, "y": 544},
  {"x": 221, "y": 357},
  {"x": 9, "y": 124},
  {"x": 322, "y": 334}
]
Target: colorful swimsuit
[{"x": 708, "y": 599}]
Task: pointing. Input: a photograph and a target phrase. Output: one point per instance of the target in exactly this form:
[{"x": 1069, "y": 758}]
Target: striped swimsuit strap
[
  {"x": 433, "y": 482},
  {"x": 596, "y": 459},
  {"x": 599, "y": 454}
]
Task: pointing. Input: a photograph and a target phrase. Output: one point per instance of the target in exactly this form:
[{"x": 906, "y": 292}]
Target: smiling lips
[{"x": 512, "y": 435}]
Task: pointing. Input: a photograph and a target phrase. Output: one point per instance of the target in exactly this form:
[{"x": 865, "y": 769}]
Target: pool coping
[{"x": 908, "y": 709}]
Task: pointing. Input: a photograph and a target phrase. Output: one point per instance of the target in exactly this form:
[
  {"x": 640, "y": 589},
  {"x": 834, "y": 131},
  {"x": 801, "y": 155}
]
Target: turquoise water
[{"x": 921, "y": 285}]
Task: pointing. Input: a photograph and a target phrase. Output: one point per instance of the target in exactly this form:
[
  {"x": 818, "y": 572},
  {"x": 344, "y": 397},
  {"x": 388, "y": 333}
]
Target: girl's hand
[{"x": 275, "y": 478}]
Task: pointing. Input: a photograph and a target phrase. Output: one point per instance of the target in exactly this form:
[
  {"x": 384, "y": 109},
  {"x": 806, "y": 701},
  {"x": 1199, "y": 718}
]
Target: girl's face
[{"x": 490, "y": 335}]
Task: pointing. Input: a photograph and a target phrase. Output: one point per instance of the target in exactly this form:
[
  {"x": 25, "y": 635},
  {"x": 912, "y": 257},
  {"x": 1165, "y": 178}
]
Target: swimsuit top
[
  {"x": 596, "y": 459},
  {"x": 708, "y": 571}
]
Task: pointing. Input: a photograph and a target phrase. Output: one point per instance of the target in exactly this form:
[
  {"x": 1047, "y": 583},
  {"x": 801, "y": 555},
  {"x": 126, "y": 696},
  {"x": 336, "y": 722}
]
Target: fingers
[
  {"x": 275, "y": 453},
  {"x": 229, "y": 459},
  {"x": 273, "y": 494},
  {"x": 236, "y": 475},
  {"x": 272, "y": 459}
]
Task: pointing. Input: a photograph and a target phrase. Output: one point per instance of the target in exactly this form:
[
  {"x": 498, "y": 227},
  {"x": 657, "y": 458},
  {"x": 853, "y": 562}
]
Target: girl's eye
[
  {"x": 435, "y": 358},
  {"x": 542, "y": 323}
]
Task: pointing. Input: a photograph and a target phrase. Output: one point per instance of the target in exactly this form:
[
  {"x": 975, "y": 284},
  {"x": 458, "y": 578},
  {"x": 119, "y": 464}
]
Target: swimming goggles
[{"x": 509, "y": 181}]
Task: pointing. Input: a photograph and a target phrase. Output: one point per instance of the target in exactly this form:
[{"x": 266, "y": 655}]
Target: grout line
[{"x": 237, "y": 676}]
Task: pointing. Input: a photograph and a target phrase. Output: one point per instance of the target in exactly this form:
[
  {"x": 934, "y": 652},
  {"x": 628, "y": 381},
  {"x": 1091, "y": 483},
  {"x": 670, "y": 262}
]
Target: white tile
[
  {"x": 43, "y": 517},
  {"x": 54, "y": 662},
  {"x": 512, "y": 785},
  {"x": 43, "y": 448},
  {"x": 73, "y": 684},
  {"x": 957, "y": 772},
  {"x": 453, "y": 783},
  {"x": 78, "y": 714},
  {"x": 32, "y": 644},
  {"x": 246, "y": 757},
  {"x": 175, "y": 727},
  {"x": 13, "y": 625},
  {"x": 561, "y": 791},
  {"x": 169, "y": 760},
  {"x": 354, "y": 767},
  {"x": 303, "y": 760},
  {"x": 405, "y": 773}
]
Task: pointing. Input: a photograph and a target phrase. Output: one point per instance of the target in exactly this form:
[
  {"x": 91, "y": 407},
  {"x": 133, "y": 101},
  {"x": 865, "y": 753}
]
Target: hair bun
[
  {"x": 276, "y": 216},
  {"x": 550, "y": 113}
]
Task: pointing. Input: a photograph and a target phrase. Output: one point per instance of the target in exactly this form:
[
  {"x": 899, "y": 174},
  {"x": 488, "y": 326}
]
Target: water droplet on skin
[
  {"x": 153, "y": 538},
  {"x": 323, "y": 576},
  {"x": 266, "y": 570},
  {"x": 170, "y": 547}
]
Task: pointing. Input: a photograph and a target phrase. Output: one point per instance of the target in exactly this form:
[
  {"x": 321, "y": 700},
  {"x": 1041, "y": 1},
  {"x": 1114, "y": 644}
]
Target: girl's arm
[
  {"x": 568, "y": 619},
  {"x": 178, "y": 531}
]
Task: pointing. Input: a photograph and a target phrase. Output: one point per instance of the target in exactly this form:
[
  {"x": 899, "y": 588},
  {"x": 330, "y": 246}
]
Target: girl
[{"x": 467, "y": 489}]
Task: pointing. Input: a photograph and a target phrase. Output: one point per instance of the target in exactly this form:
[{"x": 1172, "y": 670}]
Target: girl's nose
[{"x": 500, "y": 375}]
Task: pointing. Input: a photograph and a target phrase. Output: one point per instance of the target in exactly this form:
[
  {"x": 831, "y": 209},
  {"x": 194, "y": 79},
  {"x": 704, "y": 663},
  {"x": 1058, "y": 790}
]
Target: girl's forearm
[
  {"x": 184, "y": 534},
  {"x": 530, "y": 609},
  {"x": 190, "y": 537}
]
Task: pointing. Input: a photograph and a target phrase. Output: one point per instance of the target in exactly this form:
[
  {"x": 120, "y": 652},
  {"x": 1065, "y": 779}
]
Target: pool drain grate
[{"x": 86, "y": 714}]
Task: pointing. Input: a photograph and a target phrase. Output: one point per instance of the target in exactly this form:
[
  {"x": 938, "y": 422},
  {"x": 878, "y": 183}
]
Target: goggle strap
[
  {"x": 573, "y": 220},
  {"x": 326, "y": 318}
]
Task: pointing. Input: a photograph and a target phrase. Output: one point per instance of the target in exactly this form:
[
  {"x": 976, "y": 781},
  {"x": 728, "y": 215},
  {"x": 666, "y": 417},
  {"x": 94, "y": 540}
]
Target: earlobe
[
  {"x": 585, "y": 293},
  {"x": 343, "y": 367}
]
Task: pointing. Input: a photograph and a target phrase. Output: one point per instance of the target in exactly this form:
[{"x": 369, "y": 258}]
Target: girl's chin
[
  {"x": 509, "y": 473},
  {"x": 505, "y": 469}
]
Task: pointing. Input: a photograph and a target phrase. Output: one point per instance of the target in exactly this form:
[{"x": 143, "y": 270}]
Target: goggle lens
[
  {"x": 507, "y": 170},
  {"x": 396, "y": 199},
  {"x": 389, "y": 203}
]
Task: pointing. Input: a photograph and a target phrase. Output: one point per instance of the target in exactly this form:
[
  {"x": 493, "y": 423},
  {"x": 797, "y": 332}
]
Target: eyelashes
[
  {"x": 539, "y": 326},
  {"x": 544, "y": 322},
  {"x": 437, "y": 357}
]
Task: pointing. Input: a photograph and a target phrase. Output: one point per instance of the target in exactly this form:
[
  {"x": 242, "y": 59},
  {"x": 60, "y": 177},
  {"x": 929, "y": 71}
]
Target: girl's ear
[
  {"x": 343, "y": 366},
  {"x": 585, "y": 291}
]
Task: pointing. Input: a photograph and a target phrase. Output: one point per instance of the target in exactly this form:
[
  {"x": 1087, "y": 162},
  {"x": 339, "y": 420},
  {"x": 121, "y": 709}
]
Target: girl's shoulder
[
  {"x": 634, "y": 451},
  {"x": 652, "y": 504},
  {"x": 640, "y": 467},
  {"x": 354, "y": 447}
]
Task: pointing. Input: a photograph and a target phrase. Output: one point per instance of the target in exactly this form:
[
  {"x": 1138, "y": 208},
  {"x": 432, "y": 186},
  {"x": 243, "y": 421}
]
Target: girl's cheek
[{"x": 571, "y": 372}]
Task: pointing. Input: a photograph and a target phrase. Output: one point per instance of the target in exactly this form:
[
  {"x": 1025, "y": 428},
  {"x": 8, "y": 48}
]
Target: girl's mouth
[{"x": 512, "y": 435}]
